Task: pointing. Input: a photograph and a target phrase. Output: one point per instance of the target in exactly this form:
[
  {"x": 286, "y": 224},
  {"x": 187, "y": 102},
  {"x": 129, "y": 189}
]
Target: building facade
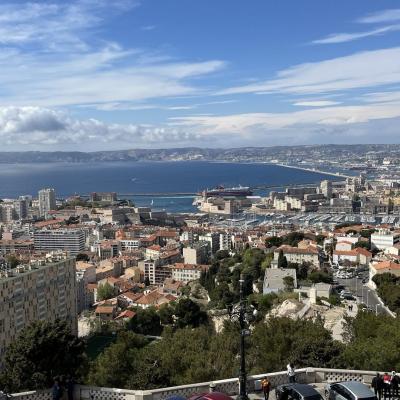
[
  {"x": 71, "y": 240},
  {"x": 44, "y": 290}
]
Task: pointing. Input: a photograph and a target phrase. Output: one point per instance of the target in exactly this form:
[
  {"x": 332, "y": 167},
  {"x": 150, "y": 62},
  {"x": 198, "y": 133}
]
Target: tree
[
  {"x": 118, "y": 362},
  {"x": 82, "y": 257},
  {"x": 41, "y": 351},
  {"x": 282, "y": 260},
  {"x": 146, "y": 322},
  {"x": 147, "y": 281},
  {"x": 273, "y": 241},
  {"x": 319, "y": 276},
  {"x": 280, "y": 340},
  {"x": 288, "y": 281},
  {"x": 188, "y": 313},
  {"x": 13, "y": 260},
  {"x": 105, "y": 292}
]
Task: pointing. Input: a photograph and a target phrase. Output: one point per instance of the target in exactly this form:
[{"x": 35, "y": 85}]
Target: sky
[{"x": 92, "y": 75}]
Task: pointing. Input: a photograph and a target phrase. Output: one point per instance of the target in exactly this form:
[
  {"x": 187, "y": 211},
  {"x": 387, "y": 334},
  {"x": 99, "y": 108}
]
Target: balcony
[{"x": 229, "y": 386}]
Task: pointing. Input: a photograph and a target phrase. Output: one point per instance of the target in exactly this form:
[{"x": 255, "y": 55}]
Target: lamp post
[
  {"x": 376, "y": 309},
  {"x": 241, "y": 313}
]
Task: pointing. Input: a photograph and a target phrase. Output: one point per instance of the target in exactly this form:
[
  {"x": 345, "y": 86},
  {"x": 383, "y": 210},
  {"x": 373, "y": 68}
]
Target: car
[
  {"x": 296, "y": 391},
  {"x": 350, "y": 390}
]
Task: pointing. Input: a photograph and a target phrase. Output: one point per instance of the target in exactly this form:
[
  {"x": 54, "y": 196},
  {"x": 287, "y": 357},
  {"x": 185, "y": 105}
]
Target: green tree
[
  {"x": 146, "y": 322},
  {"x": 273, "y": 241},
  {"x": 282, "y": 260},
  {"x": 41, "y": 351},
  {"x": 105, "y": 292},
  {"x": 13, "y": 260},
  {"x": 114, "y": 367},
  {"x": 82, "y": 257},
  {"x": 320, "y": 276},
  {"x": 288, "y": 281},
  {"x": 303, "y": 342},
  {"x": 188, "y": 313}
]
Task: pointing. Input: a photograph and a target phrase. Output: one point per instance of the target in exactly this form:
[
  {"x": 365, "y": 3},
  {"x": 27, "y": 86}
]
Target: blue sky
[{"x": 95, "y": 74}]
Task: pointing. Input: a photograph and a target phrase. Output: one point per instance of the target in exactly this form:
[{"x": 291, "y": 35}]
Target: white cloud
[
  {"x": 381, "y": 16},
  {"x": 348, "y": 37},
  {"x": 148, "y": 28},
  {"x": 316, "y": 103},
  {"x": 360, "y": 70},
  {"x": 34, "y": 126},
  {"x": 270, "y": 123}
]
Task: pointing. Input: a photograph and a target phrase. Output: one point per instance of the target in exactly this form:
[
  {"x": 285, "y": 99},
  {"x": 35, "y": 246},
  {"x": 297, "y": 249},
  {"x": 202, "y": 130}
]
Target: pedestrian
[
  {"x": 394, "y": 384},
  {"x": 377, "y": 385},
  {"x": 386, "y": 385},
  {"x": 291, "y": 373},
  {"x": 56, "y": 390},
  {"x": 266, "y": 387},
  {"x": 70, "y": 387}
]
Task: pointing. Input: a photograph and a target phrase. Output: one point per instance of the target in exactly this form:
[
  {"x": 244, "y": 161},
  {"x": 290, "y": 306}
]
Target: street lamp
[
  {"x": 376, "y": 309},
  {"x": 243, "y": 313}
]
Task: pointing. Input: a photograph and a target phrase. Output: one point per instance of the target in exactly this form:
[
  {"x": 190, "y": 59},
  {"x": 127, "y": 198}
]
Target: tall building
[
  {"x": 21, "y": 207},
  {"x": 42, "y": 290},
  {"x": 70, "y": 240},
  {"x": 326, "y": 188},
  {"x": 47, "y": 201}
]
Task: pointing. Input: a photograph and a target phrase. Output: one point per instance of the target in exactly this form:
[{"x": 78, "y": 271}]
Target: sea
[{"x": 168, "y": 186}]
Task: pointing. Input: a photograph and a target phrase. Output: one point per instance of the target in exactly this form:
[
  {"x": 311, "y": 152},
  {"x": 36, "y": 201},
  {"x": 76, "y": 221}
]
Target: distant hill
[{"x": 194, "y": 153}]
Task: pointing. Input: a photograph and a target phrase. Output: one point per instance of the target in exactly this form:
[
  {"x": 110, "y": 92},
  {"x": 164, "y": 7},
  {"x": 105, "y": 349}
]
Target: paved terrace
[{"x": 315, "y": 376}]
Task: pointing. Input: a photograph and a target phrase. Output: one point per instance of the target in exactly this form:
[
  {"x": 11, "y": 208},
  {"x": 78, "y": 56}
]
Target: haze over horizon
[{"x": 90, "y": 75}]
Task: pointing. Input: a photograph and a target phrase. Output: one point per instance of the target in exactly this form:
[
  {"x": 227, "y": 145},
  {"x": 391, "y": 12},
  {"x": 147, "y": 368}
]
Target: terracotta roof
[
  {"x": 390, "y": 265},
  {"x": 155, "y": 247},
  {"x": 192, "y": 267},
  {"x": 105, "y": 309},
  {"x": 294, "y": 250},
  {"x": 345, "y": 253},
  {"x": 125, "y": 314},
  {"x": 364, "y": 252}
]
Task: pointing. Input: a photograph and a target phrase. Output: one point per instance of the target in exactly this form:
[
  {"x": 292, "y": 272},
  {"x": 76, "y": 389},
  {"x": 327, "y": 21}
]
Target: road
[{"x": 363, "y": 294}]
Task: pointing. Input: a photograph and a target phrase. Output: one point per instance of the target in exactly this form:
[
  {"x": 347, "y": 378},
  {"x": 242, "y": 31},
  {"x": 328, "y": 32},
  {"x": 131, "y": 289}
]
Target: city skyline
[{"x": 87, "y": 75}]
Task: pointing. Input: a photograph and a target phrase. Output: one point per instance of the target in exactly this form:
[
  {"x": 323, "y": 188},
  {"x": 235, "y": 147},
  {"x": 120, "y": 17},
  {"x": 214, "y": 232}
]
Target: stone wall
[{"x": 229, "y": 386}]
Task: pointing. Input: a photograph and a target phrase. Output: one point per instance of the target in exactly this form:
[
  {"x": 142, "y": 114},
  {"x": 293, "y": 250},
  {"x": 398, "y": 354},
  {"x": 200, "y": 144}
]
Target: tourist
[
  {"x": 70, "y": 388},
  {"x": 266, "y": 387},
  {"x": 386, "y": 385},
  {"x": 57, "y": 390},
  {"x": 394, "y": 384},
  {"x": 291, "y": 373},
  {"x": 377, "y": 385}
]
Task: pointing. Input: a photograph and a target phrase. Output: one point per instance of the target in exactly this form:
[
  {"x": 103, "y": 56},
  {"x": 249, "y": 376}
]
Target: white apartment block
[
  {"x": 187, "y": 272},
  {"x": 384, "y": 239},
  {"x": 71, "y": 240}
]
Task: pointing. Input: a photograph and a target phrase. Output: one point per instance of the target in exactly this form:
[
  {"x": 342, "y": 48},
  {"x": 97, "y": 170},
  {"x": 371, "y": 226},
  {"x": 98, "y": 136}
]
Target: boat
[{"x": 221, "y": 191}]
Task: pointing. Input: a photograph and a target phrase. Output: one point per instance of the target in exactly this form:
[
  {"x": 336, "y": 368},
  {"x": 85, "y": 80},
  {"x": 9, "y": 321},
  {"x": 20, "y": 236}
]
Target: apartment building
[
  {"x": 47, "y": 201},
  {"x": 187, "y": 272},
  {"x": 71, "y": 240},
  {"x": 42, "y": 290},
  {"x": 297, "y": 255},
  {"x": 384, "y": 239}
]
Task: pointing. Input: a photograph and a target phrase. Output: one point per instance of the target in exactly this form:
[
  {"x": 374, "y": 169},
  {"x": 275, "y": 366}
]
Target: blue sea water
[{"x": 146, "y": 177}]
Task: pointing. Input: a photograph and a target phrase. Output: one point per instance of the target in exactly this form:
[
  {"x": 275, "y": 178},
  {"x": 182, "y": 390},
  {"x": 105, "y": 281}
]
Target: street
[{"x": 363, "y": 294}]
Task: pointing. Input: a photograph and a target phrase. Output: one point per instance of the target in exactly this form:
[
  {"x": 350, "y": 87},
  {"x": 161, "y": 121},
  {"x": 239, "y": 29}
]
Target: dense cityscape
[{"x": 199, "y": 200}]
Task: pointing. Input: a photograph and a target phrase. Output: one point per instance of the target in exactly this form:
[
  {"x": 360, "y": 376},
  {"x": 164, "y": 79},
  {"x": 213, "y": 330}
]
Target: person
[
  {"x": 377, "y": 385},
  {"x": 386, "y": 385},
  {"x": 70, "y": 387},
  {"x": 56, "y": 390},
  {"x": 266, "y": 387},
  {"x": 394, "y": 384},
  {"x": 291, "y": 373}
]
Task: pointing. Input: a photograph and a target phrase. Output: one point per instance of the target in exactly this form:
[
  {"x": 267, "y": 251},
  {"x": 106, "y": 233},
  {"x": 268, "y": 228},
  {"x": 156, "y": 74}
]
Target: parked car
[
  {"x": 350, "y": 390},
  {"x": 296, "y": 391}
]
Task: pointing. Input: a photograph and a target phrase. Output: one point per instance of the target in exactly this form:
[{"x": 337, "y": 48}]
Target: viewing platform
[{"x": 315, "y": 376}]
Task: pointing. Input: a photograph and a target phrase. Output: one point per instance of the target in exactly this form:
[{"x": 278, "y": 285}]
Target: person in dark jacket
[
  {"x": 70, "y": 387},
  {"x": 56, "y": 390},
  {"x": 377, "y": 385},
  {"x": 394, "y": 384}
]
